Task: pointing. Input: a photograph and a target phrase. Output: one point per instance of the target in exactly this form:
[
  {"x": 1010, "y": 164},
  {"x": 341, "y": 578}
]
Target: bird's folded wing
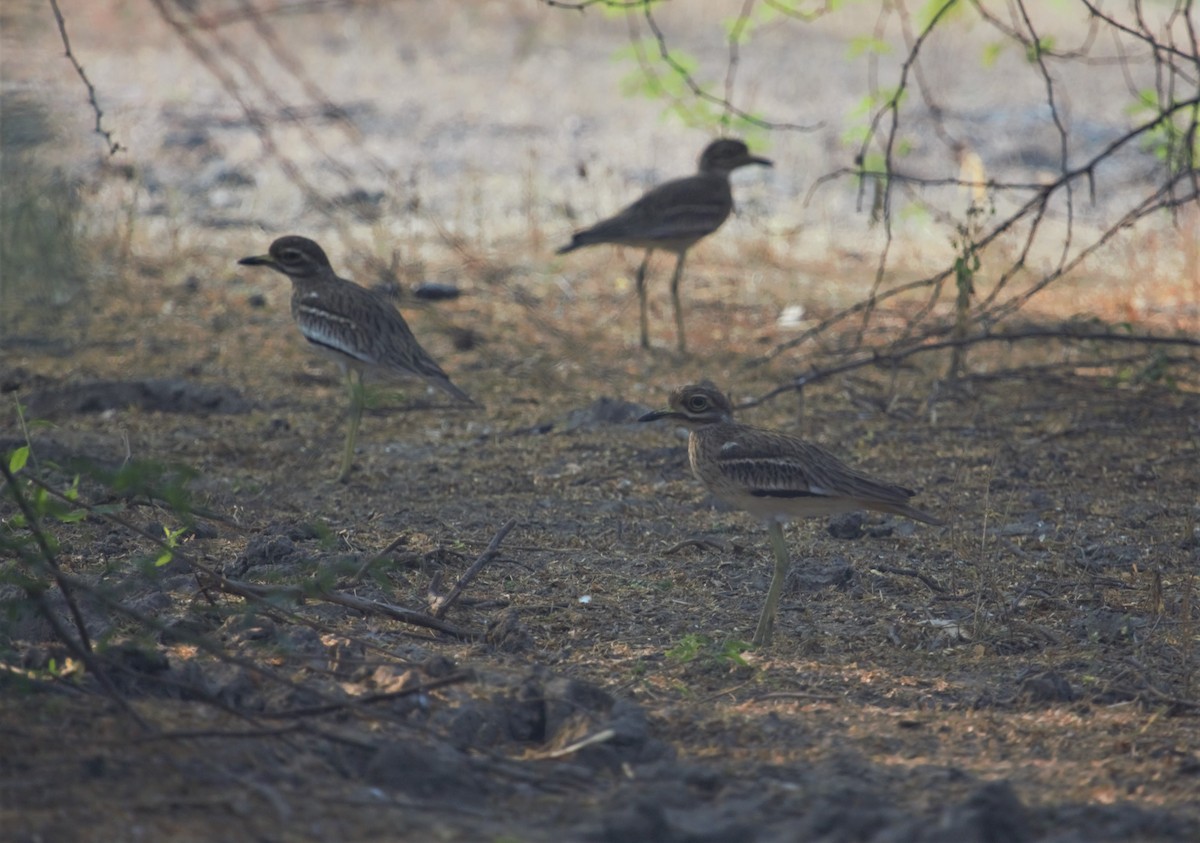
[
  {"x": 684, "y": 222},
  {"x": 768, "y": 474},
  {"x": 333, "y": 332},
  {"x": 679, "y": 209},
  {"x": 808, "y": 472}
]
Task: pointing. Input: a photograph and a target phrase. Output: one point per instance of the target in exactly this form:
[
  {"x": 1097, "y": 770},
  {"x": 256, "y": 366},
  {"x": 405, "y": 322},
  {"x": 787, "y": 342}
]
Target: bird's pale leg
[
  {"x": 675, "y": 298},
  {"x": 358, "y": 397},
  {"x": 641, "y": 291},
  {"x": 766, "y": 622}
]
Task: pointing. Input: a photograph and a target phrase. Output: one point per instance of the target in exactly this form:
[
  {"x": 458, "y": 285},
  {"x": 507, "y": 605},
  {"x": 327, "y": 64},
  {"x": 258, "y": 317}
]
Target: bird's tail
[
  {"x": 575, "y": 243},
  {"x": 448, "y": 387},
  {"x": 908, "y": 512}
]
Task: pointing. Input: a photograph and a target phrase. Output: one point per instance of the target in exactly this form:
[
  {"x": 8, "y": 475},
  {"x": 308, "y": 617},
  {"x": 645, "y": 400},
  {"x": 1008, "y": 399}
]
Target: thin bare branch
[
  {"x": 113, "y": 145},
  {"x": 925, "y": 345},
  {"x": 698, "y": 91},
  {"x": 443, "y": 604}
]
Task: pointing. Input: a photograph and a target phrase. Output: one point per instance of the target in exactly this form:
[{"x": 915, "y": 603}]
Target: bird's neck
[{"x": 710, "y": 430}]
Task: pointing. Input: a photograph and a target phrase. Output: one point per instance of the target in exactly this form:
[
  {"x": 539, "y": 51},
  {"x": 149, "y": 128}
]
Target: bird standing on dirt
[
  {"x": 357, "y": 327},
  {"x": 774, "y": 476},
  {"x": 672, "y": 217}
]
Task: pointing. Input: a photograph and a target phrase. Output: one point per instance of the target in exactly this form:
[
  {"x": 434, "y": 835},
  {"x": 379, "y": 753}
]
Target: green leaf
[
  {"x": 732, "y": 652},
  {"x": 991, "y": 54},
  {"x": 18, "y": 458},
  {"x": 867, "y": 44},
  {"x": 614, "y": 11},
  {"x": 738, "y": 30},
  {"x": 933, "y": 10},
  {"x": 1034, "y": 51},
  {"x": 687, "y": 649},
  {"x": 875, "y": 163},
  {"x": 855, "y": 135}
]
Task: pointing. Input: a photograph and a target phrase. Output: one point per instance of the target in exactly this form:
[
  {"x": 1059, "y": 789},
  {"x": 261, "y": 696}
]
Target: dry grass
[{"x": 1060, "y": 656}]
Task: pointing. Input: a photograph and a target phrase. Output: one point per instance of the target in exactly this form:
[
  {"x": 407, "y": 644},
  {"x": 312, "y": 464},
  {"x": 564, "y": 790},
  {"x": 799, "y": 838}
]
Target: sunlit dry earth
[
  {"x": 1027, "y": 672},
  {"x": 1051, "y": 647}
]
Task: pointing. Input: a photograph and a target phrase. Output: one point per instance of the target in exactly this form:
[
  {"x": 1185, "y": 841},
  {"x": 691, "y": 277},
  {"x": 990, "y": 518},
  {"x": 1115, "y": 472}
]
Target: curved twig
[{"x": 880, "y": 357}]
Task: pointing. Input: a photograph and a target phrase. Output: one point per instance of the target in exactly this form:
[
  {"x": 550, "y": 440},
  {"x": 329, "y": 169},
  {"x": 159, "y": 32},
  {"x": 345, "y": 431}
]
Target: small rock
[
  {"x": 848, "y": 526},
  {"x": 992, "y": 814},
  {"x": 437, "y": 666},
  {"x": 605, "y": 411},
  {"x": 1046, "y": 686},
  {"x": 431, "y": 771},
  {"x": 508, "y": 634},
  {"x": 390, "y": 679},
  {"x": 433, "y": 291}
]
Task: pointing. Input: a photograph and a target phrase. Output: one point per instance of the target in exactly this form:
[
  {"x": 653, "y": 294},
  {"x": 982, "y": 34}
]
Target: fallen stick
[
  {"x": 441, "y": 605},
  {"x": 361, "y": 604}
]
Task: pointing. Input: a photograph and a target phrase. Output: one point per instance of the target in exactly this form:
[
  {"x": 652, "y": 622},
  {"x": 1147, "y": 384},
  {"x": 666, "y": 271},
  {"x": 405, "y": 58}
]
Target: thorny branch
[
  {"x": 113, "y": 146},
  {"x": 1169, "y": 44},
  {"x": 698, "y": 90},
  {"x": 892, "y": 357},
  {"x": 1177, "y": 64}
]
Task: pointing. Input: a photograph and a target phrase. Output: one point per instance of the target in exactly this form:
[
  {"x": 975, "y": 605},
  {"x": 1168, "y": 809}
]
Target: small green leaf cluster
[
  {"x": 702, "y": 649},
  {"x": 38, "y": 500},
  {"x": 1172, "y": 137}
]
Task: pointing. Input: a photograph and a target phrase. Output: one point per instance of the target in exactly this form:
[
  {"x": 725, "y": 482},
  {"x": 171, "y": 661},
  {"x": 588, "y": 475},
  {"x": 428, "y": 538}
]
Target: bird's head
[
  {"x": 695, "y": 405},
  {"x": 294, "y": 256},
  {"x": 727, "y": 154}
]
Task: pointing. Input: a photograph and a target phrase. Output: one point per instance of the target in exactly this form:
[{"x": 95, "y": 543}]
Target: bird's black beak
[
  {"x": 659, "y": 414},
  {"x": 758, "y": 159},
  {"x": 259, "y": 260}
]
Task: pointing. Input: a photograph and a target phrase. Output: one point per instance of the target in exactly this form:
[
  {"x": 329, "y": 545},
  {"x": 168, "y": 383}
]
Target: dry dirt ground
[{"x": 1028, "y": 672}]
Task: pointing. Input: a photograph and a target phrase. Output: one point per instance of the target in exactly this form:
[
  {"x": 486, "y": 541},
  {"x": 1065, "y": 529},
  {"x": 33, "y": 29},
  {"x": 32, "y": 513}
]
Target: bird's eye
[
  {"x": 697, "y": 403},
  {"x": 290, "y": 255}
]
